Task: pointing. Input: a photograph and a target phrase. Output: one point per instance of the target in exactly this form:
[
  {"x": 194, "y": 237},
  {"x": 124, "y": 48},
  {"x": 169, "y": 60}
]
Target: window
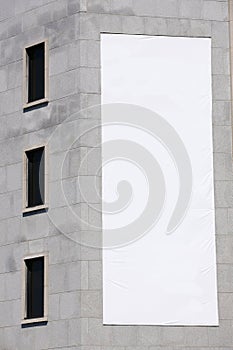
[
  {"x": 35, "y": 74},
  {"x": 35, "y": 179},
  {"x": 35, "y": 289}
]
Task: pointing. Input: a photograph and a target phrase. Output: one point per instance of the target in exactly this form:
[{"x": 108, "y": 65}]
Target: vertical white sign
[{"x": 159, "y": 263}]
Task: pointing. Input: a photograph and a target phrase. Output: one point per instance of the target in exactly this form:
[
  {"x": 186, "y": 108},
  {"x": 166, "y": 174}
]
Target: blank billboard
[{"x": 159, "y": 256}]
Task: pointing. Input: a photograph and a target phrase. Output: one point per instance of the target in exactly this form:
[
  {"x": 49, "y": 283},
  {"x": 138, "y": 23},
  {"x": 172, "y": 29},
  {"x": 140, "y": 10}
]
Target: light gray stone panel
[
  {"x": 58, "y": 333},
  {"x": 91, "y": 304},
  {"x": 224, "y": 249},
  {"x": 70, "y": 305},
  {"x": 215, "y": 10},
  {"x": 62, "y": 85},
  {"x": 133, "y": 25},
  {"x": 74, "y": 332},
  {"x": 220, "y": 34},
  {"x": 223, "y": 194},
  {"x": 15, "y": 76},
  {"x": 191, "y": 9},
  {"x": 221, "y": 87},
  {"x": 58, "y": 60},
  {"x": 95, "y": 275},
  {"x": 221, "y": 112},
  {"x": 14, "y": 177},
  {"x": 222, "y": 335},
  {"x": 222, "y": 139},
  {"x": 225, "y": 278},
  {"x": 220, "y": 61},
  {"x": 90, "y": 53},
  {"x": 7, "y": 9},
  {"x": 3, "y": 79},
  {"x": 221, "y": 220},
  {"x": 225, "y": 306}
]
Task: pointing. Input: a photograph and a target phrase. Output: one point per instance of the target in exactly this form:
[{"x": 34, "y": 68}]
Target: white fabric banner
[{"x": 159, "y": 260}]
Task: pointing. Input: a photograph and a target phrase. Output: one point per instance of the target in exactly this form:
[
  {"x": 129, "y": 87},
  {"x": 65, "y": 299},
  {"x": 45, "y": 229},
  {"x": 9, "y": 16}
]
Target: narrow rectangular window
[
  {"x": 35, "y": 177},
  {"x": 36, "y": 72},
  {"x": 35, "y": 287}
]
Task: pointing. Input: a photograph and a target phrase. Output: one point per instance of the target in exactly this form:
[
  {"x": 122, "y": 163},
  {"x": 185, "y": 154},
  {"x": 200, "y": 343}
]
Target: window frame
[
  {"x": 27, "y": 104},
  {"x": 25, "y": 208},
  {"x": 25, "y": 320}
]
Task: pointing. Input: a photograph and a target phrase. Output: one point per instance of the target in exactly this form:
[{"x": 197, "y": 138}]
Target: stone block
[
  {"x": 74, "y": 276},
  {"x": 222, "y": 139},
  {"x": 14, "y": 177},
  {"x": 58, "y": 60},
  {"x": 74, "y": 332},
  {"x": 7, "y": 9},
  {"x": 89, "y": 80},
  {"x": 124, "y": 336},
  {"x": 90, "y": 253},
  {"x": 88, "y": 26},
  {"x": 35, "y": 226},
  {"x": 74, "y": 55},
  {"x": 37, "y": 17},
  {"x": 220, "y": 34},
  {"x": 215, "y": 10},
  {"x": 110, "y": 23},
  {"x": 196, "y": 337},
  {"x": 11, "y": 101},
  {"x": 13, "y": 285},
  {"x": 221, "y": 87},
  {"x": 220, "y": 61},
  {"x": 84, "y": 275},
  {"x": 225, "y": 306},
  {"x": 91, "y": 304},
  {"x": 224, "y": 249},
  {"x": 3, "y": 179},
  {"x": 230, "y": 220},
  {"x": 122, "y": 7},
  {"x": 155, "y": 26},
  {"x": 70, "y": 305},
  {"x": 62, "y": 193},
  {"x": 173, "y": 336},
  {"x": 90, "y": 53},
  {"x": 62, "y": 85},
  {"x": 149, "y": 335},
  {"x": 223, "y": 194},
  {"x": 221, "y": 112},
  {"x": 223, "y": 166},
  {"x": 99, "y": 6},
  {"x": 221, "y": 336},
  {"x": 191, "y": 9},
  {"x": 95, "y": 275},
  {"x": 133, "y": 25},
  {"x": 61, "y": 32},
  {"x": 94, "y": 333},
  {"x": 225, "y": 278},
  {"x": 58, "y": 334},
  {"x": 70, "y": 250},
  {"x": 73, "y": 7},
  {"x": 3, "y": 79},
  {"x": 221, "y": 220},
  {"x": 77, "y": 162},
  {"x": 200, "y": 28},
  {"x": 14, "y": 26}
]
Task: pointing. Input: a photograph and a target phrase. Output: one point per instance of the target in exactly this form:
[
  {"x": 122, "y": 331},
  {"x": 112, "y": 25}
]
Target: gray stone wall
[{"x": 73, "y": 29}]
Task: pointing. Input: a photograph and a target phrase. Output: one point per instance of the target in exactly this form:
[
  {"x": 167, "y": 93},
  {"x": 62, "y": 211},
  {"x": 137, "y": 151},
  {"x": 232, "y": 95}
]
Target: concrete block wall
[{"x": 73, "y": 29}]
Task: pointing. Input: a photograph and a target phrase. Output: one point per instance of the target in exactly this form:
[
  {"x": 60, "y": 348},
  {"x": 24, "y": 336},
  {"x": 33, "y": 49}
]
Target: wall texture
[{"x": 73, "y": 29}]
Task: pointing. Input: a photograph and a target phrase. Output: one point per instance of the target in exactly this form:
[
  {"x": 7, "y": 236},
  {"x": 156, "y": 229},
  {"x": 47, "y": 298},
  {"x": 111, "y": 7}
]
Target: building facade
[{"x": 72, "y": 271}]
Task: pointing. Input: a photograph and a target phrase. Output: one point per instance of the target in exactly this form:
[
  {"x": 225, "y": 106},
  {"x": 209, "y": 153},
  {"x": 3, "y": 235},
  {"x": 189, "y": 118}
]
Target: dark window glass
[
  {"x": 35, "y": 287},
  {"x": 35, "y": 177},
  {"x": 36, "y": 72}
]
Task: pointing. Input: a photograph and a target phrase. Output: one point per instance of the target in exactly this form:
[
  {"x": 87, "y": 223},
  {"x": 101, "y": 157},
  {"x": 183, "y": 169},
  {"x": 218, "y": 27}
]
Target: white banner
[{"x": 159, "y": 263}]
